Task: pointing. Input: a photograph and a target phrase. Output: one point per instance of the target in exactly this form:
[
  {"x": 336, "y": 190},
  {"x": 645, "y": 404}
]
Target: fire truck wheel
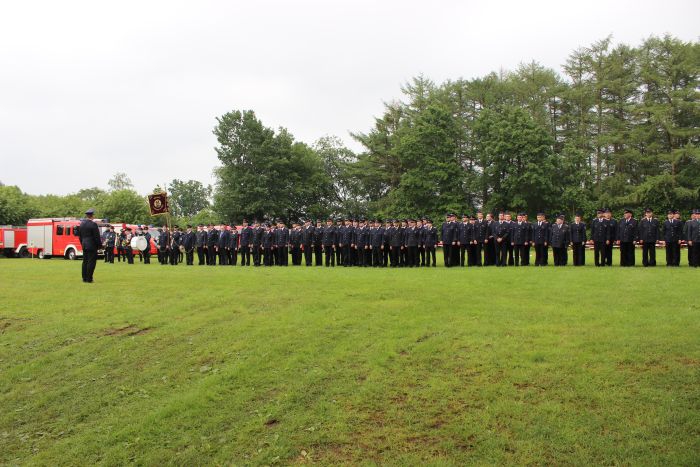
[
  {"x": 41, "y": 254},
  {"x": 24, "y": 253},
  {"x": 70, "y": 254}
]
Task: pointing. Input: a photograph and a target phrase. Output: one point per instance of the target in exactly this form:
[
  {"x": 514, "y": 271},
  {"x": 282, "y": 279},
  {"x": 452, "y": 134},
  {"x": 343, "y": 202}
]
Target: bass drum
[{"x": 139, "y": 243}]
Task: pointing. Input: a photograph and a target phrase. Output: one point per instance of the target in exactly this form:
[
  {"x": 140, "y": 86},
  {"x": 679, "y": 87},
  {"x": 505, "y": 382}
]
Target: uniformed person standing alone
[{"x": 90, "y": 242}]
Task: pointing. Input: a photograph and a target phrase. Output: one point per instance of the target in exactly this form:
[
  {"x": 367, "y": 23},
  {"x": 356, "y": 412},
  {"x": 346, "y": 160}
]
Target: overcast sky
[{"x": 91, "y": 88}]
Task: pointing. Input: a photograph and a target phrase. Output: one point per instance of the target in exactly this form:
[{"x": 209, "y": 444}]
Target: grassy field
[{"x": 160, "y": 365}]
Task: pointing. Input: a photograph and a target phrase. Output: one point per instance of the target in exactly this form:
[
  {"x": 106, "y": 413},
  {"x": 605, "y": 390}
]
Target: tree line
[{"x": 618, "y": 126}]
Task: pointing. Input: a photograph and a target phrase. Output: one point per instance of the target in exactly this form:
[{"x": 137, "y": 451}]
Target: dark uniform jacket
[
  {"x": 110, "y": 239},
  {"x": 307, "y": 235},
  {"x": 578, "y": 232},
  {"x": 362, "y": 237},
  {"x": 246, "y": 236},
  {"x": 520, "y": 233},
  {"x": 164, "y": 240},
  {"x": 188, "y": 240},
  {"x": 256, "y": 236},
  {"x": 318, "y": 235},
  {"x": 329, "y": 235},
  {"x": 347, "y": 235},
  {"x": 295, "y": 237},
  {"x": 376, "y": 237},
  {"x": 282, "y": 237},
  {"x": 396, "y": 239},
  {"x": 411, "y": 235},
  {"x": 89, "y": 235},
  {"x": 212, "y": 238},
  {"x": 200, "y": 238},
  {"x": 176, "y": 239},
  {"x": 627, "y": 230},
  {"x": 268, "y": 238},
  {"x": 430, "y": 237},
  {"x": 233, "y": 242},
  {"x": 224, "y": 239},
  {"x": 612, "y": 230},
  {"x": 599, "y": 230},
  {"x": 693, "y": 232},
  {"x": 541, "y": 233},
  {"x": 449, "y": 232},
  {"x": 502, "y": 230},
  {"x": 464, "y": 233},
  {"x": 673, "y": 231},
  {"x": 560, "y": 235},
  {"x": 649, "y": 230},
  {"x": 481, "y": 229}
]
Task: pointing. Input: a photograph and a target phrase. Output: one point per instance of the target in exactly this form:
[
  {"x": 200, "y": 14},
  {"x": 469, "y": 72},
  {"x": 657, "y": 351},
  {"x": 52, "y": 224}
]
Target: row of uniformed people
[{"x": 477, "y": 240}]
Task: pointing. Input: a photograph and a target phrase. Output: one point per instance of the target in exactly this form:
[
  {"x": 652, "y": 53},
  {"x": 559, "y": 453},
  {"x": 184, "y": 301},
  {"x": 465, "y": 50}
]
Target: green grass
[{"x": 191, "y": 366}]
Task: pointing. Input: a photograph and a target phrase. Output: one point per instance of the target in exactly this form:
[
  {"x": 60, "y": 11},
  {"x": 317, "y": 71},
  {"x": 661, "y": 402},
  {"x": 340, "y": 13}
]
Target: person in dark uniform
[
  {"x": 189, "y": 239},
  {"x": 627, "y": 236},
  {"x": 403, "y": 251},
  {"x": 612, "y": 236},
  {"x": 462, "y": 239},
  {"x": 201, "y": 243},
  {"x": 560, "y": 239},
  {"x": 480, "y": 234},
  {"x": 471, "y": 242},
  {"x": 268, "y": 240},
  {"x": 649, "y": 232},
  {"x": 175, "y": 242},
  {"x": 245, "y": 236},
  {"x": 396, "y": 244},
  {"x": 502, "y": 236},
  {"x": 329, "y": 241},
  {"x": 233, "y": 245},
  {"x": 520, "y": 238},
  {"x": 212, "y": 244},
  {"x": 256, "y": 240},
  {"x": 295, "y": 235},
  {"x": 420, "y": 224},
  {"x": 448, "y": 233},
  {"x": 224, "y": 244},
  {"x": 376, "y": 241},
  {"x": 339, "y": 226},
  {"x": 511, "y": 249},
  {"x": 282, "y": 243},
  {"x": 346, "y": 233},
  {"x": 431, "y": 239},
  {"x": 578, "y": 240},
  {"x": 490, "y": 241},
  {"x": 307, "y": 241},
  {"x": 364, "y": 251},
  {"x": 693, "y": 239},
  {"x": 541, "y": 231},
  {"x": 180, "y": 252},
  {"x": 126, "y": 245},
  {"x": 673, "y": 234},
  {"x": 90, "y": 242},
  {"x": 386, "y": 253},
  {"x": 599, "y": 237},
  {"x": 146, "y": 254},
  {"x": 109, "y": 242},
  {"x": 412, "y": 236},
  {"x": 163, "y": 245},
  {"x": 318, "y": 243}
]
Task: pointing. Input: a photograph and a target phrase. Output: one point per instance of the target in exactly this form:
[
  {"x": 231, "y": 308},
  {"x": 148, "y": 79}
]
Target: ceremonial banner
[{"x": 158, "y": 203}]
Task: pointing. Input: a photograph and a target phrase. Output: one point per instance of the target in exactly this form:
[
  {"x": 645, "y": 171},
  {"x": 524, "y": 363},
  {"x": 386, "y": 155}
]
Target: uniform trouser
[
  {"x": 626, "y": 254},
  {"x": 649, "y": 254},
  {"x": 454, "y": 255},
  {"x": 412, "y": 256},
  {"x": 421, "y": 255},
  {"x": 490, "y": 253},
  {"x": 599, "y": 253},
  {"x": 579, "y": 251},
  {"x": 527, "y": 254},
  {"x": 694, "y": 255},
  {"x": 211, "y": 253},
  {"x": 200, "y": 255},
  {"x": 109, "y": 254},
  {"x": 146, "y": 256},
  {"x": 189, "y": 256},
  {"x": 282, "y": 256},
  {"x": 245, "y": 255},
  {"x": 223, "y": 256},
  {"x": 447, "y": 257},
  {"x": 477, "y": 253},
  {"x": 120, "y": 253},
  {"x": 296, "y": 255},
  {"x": 338, "y": 255},
  {"x": 308, "y": 255},
  {"x": 394, "y": 256},
  {"x": 462, "y": 254},
  {"x": 344, "y": 255},
  {"x": 267, "y": 256},
  {"x": 520, "y": 255},
  {"x": 690, "y": 255},
  {"x": 330, "y": 255},
  {"x": 609, "y": 253},
  {"x": 385, "y": 255},
  {"x": 471, "y": 254},
  {"x": 89, "y": 263},
  {"x": 561, "y": 256},
  {"x": 359, "y": 256},
  {"x": 129, "y": 255},
  {"x": 174, "y": 256},
  {"x": 377, "y": 256},
  {"x": 318, "y": 254},
  {"x": 367, "y": 253},
  {"x": 430, "y": 253},
  {"x": 403, "y": 257},
  {"x": 501, "y": 253},
  {"x": 673, "y": 254},
  {"x": 256, "y": 251},
  {"x": 511, "y": 256},
  {"x": 540, "y": 254}
]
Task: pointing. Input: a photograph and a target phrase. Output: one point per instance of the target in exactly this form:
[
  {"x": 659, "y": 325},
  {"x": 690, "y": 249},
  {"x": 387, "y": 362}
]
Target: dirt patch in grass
[{"x": 125, "y": 331}]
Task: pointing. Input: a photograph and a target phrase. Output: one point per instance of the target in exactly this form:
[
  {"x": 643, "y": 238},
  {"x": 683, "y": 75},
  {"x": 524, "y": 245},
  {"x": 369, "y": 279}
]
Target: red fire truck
[
  {"x": 13, "y": 241},
  {"x": 56, "y": 236}
]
